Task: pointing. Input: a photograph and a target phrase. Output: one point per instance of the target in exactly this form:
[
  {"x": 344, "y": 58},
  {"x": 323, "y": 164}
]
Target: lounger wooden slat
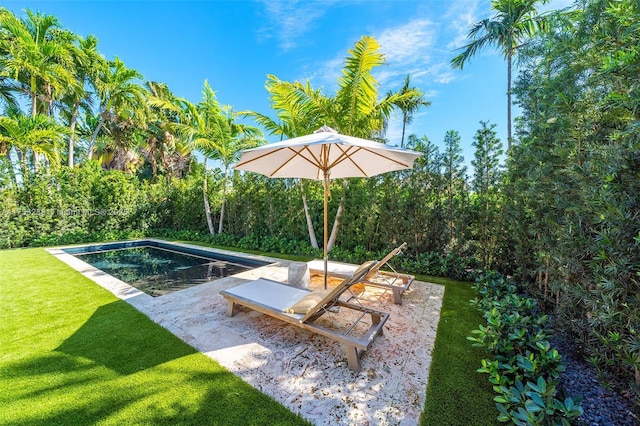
[
  {"x": 397, "y": 282},
  {"x": 272, "y": 298}
]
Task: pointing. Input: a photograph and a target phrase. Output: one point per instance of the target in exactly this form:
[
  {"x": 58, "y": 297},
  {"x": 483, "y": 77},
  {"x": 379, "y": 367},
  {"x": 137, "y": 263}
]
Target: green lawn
[
  {"x": 457, "y": 394},
  {"x": 71, "y": 353}
]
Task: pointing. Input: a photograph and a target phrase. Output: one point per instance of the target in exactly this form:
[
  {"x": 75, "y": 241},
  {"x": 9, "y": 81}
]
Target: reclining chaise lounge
[
  {"x": 390, "y": 280},
  {"x": 303, "y": 308}
]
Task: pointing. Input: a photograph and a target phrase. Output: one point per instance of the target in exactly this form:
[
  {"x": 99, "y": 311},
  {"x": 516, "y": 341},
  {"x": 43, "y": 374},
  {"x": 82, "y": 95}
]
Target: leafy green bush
[
  {"x": 535, "y": 403},
  {"x": 525, "y": 369},
  {"x": 79, "y": 237},
  {"x": 437, "y": 264},
  {"x": 225, "y": 240}
]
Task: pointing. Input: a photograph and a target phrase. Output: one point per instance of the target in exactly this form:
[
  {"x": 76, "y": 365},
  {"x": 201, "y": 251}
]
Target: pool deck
[{"x": 304, "y": 371}]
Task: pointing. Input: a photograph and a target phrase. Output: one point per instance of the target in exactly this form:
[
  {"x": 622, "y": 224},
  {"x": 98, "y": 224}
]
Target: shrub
[{"x": 525, "y": 369}]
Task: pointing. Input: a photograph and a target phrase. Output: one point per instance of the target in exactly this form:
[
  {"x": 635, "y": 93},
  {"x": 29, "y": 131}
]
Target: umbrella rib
[
  {"x": 259, "y": 157},
  {"x": 346, "y": 155},
  {"x": 296, "y": 153},
  {"x": 314, "y": 161}
]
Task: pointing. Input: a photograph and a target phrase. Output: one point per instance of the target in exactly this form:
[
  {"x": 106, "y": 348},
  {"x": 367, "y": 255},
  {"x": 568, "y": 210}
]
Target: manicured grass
[
  {"x": 457, "y": 394},
  {"x": 73, "y": 354}
]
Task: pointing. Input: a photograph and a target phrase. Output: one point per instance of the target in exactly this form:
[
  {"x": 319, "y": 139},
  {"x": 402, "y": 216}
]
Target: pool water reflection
[{"x": 157, "y": 271}]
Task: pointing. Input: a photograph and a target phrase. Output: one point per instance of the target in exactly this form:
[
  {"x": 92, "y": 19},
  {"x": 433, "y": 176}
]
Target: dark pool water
[{"x": 157, "y": 271}]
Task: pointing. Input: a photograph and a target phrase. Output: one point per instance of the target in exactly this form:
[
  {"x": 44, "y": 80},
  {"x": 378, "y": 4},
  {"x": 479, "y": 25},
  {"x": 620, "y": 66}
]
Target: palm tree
[
  {"x": 514, "y": 22},
  {"x": 85, "y": 127},
  {"x": 37, "y": 133},
  {"x": 409, "y": 105},
  {"x": 213, "y": 130},
  {"x": 357, "y": 111},
  {"x": 163, "y": 142},
  {"x": 292, "y": 122},
  {"x": 234, "y": 138},
  {"x": 354, "y": 110},
  {"x": 121, "y": 98},
  {"x": 87, "y": 61},
  {"x": 34, "y": 56},
  {"x": 119, "y": 147},
  {"x": 293, "y": 119},
  {"x": 6, "y": 97}
]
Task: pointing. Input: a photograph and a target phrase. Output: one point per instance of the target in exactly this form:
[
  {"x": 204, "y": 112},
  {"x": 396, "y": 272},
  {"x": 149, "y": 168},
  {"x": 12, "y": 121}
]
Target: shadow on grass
[
  {"x": 121, "y": 368},
  {"x": 70, "y": 354},
  {"x": 200, "y": 397},
  {"x": 110, "y": 338}
]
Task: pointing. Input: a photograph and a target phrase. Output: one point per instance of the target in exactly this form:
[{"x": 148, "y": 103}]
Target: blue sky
[{"x": 236, "y": 44}]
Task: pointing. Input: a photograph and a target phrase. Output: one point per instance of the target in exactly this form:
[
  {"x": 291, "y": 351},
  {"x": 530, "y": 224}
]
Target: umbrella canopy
[{"x": 322, "y": 155}]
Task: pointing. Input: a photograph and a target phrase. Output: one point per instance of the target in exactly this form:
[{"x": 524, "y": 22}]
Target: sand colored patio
[{"x": 305, "y": 372}]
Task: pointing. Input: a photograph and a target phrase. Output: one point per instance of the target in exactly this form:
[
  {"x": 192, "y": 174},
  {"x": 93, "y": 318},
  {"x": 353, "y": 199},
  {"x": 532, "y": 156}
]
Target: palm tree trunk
[
  {"x": 94, "y": 136},
  {"x": 49, "y": 90},
  {"x": 34, "y": 111},
  {"x": 509, "y": 57},
  {"x": 336, "y": 222},
  {"x": 22, "y": 159},
  {"x": 34, "y": 103},
  {"x": 151, "y": 143},
  {"x": 72, "y": 127},
  {"x": 36, "y": 161},
  {"x": 224, "y": 199},
  {"x": 312, "y": 232},
  {"x": 404, "y": 125},
  {"x": 207, "y": 208}
]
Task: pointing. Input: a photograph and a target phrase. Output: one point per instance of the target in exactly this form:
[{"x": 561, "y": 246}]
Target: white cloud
[
  {"x": 408, "y": 50},
  {"x": 430, "y": 94},
  {"x": 408, "y": 43},
  {"x": 460, "y": 16},
  {"x": 421, "y": 48},
  {"x": 325, "y": 74},
  {"x": 445, "y": 77},
  {"x": 289, "y": 20}
]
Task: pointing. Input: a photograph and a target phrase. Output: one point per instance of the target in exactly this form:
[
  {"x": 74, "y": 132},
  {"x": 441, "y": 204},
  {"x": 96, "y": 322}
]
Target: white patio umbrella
[{"x": 323, "y": 155}]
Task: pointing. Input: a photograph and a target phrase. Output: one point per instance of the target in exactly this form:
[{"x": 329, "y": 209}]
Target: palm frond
[{"x": 358, "y": 89}]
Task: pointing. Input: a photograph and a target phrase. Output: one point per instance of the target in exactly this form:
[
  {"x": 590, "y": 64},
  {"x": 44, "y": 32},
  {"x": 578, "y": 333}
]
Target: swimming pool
[{"x": 158, "y": 268}]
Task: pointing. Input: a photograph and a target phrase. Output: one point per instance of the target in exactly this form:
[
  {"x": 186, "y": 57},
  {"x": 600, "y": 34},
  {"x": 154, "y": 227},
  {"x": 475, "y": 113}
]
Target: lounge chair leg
[
  {"x": 353, "y": 359},
  {"x": 230, "y": 306},
  {"x": 397, "y": 296},
  {"x": 375, "y": 319}
]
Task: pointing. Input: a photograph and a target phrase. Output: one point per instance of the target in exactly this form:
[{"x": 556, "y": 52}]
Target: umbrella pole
[{"x": 326, "y": 228}]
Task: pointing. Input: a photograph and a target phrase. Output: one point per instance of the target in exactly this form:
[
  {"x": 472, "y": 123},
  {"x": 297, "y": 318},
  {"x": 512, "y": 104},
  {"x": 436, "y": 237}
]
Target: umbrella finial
[{"x": 325, "y": 128}]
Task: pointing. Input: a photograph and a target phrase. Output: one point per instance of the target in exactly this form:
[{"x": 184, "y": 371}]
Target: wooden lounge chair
[
  {"x": 391, "y": 280},
  {"x": 303, "y": 308}
]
